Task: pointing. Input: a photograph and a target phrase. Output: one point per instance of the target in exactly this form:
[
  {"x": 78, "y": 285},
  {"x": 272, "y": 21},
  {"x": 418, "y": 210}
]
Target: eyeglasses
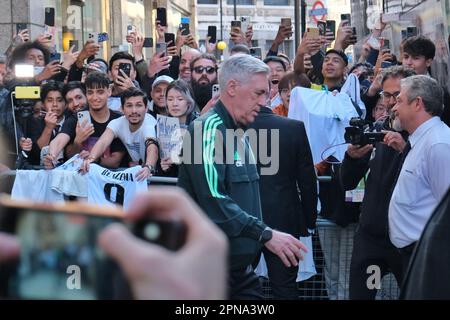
[
  {"x": 200, "y": 69},
  {"x": 386, "y": 96}
]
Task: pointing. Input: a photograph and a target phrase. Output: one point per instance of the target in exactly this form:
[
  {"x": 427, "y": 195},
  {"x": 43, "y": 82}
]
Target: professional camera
[{"x": 362, "y": 132}]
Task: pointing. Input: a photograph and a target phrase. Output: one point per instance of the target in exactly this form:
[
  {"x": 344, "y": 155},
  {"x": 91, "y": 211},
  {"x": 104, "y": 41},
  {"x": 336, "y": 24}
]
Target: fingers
[{"x": 9, "y": 247}]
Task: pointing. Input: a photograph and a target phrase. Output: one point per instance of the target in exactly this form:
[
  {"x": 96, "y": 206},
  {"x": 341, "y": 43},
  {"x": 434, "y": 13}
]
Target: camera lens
[{"x": 152, "y": 231}]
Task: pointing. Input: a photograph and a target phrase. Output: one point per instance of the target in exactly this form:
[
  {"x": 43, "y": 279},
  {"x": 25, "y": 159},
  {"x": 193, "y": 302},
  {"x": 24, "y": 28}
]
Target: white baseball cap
[{"x": 162, "y": 79}]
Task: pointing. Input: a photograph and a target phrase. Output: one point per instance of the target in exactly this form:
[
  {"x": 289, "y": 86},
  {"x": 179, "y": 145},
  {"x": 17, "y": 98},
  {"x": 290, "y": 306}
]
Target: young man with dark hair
[
  {"x": 75, "y": 94},
  {"x": 120, "y": 80},
  {"x": 76, "y": 136},
  {"x": 43, "y": 130},
  {"x": 136, "y": 130},
  {"x": 277, "y": 71}
]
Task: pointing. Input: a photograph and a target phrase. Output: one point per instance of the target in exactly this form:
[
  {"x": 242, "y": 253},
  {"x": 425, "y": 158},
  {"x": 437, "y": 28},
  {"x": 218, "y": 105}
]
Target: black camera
[{"x": 362, "y": 132}]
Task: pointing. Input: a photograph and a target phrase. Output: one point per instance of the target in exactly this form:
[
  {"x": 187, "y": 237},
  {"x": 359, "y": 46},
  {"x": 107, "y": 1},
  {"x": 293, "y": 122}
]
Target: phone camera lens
[{"x": 152, "y": 231}]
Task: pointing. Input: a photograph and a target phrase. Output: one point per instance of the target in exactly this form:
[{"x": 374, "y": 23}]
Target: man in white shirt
[
  {"x": 424, "y": 177},
  {"x": 136, "y": 130}
]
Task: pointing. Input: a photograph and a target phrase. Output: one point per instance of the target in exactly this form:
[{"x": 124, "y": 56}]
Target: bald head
[{"x": 185, "y": 63}]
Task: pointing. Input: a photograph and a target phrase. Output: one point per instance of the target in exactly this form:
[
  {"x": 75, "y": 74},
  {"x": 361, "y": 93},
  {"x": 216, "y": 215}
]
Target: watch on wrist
[{"x": 266, "y": 235}]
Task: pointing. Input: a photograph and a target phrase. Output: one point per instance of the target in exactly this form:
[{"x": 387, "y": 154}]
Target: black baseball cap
[{"x": 339, "y": 53}]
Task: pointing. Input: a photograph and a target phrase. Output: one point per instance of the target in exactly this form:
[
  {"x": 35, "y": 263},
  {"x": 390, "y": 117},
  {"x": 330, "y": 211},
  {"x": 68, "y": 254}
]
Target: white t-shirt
[
  {"x": 134, "y": 141},
  {"x": 35, "y": 185},
  {"x": 115, "y": 104},
  {"x": 106, "y": 187}
]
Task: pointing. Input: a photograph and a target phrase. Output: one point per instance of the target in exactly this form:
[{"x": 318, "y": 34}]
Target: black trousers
[
  {"x": 368, "y": 251},
  {"x": 282, "y": 279},
  {"x": 406, "y": 254},
  {"x": 244, "y": 284}
]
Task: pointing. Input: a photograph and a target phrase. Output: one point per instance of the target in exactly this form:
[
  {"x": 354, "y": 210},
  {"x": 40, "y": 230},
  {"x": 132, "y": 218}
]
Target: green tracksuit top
[{"x": 228, "y": 191}]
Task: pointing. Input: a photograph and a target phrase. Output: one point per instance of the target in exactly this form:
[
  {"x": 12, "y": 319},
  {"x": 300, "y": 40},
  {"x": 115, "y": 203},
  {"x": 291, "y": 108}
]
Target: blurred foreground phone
[
  {"x": 161, "y": 16},
  {"x": 59, "y": 256},
  {"x": 212, "y": 33},
  {"x": 49, "y": 17}
]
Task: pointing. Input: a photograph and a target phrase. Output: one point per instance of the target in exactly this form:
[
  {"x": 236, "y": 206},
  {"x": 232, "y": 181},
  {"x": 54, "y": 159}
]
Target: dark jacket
[
  {"x": 280, "y": 200},
  {"x": 228, "y": 193},
  {"x": 378, "y": 188}
]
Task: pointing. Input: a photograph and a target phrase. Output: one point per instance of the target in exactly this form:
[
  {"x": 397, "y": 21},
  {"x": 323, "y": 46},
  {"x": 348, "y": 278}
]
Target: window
[
  {"x": 207, "y": 1},
  {"x": 276, "y": 2},
  {"x": 246, "y": 2}
]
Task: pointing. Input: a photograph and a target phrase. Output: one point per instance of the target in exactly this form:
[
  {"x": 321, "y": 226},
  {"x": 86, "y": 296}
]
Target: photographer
[{"x": 371, "y": 243}]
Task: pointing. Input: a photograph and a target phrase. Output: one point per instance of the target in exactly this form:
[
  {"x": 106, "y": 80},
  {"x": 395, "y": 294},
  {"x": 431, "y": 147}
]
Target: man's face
[
  {"x": 2, "y": 72},
  {"x": 76, "y": 100},
  {"x": 134, "y": 110},
  {"x": 98, "y": 98},
  {"x": 252, "y": 95},
  {"x": 276, "y": 73},
  {"x": 204, "y": 72},
  {"x": 185, "y": 64},
  {"x": 333, "y": 67},
  {"x": 391, "y": 89},
  {"x": 54, "y": 102},
  {"x": 419, "y": 63},
  {"x": 35, "y": 57},
  {"x": 158, "y": 94},
  {"x": 404, "y": 112},
  {"x": 114, "y": 72}
]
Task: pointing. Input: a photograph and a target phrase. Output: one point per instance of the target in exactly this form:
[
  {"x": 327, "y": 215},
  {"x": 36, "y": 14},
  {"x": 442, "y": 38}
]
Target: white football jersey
[
  {"x": 114, "y": 187},
  {"x": 35, "y": 185}
]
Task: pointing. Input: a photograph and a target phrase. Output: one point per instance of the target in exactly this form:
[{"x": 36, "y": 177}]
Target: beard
[{"x": 202, "y": 92}]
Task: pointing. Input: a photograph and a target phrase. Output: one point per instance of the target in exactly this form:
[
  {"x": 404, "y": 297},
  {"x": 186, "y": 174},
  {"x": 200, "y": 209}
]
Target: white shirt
[
  {"x": 134, "y": 141},
  {"x": 106, "y": 187},
  {"x": 115, "y": 104},
  {"x": 423, "y": 181}
]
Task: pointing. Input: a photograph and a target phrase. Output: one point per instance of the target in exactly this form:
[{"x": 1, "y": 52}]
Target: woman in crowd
[
  {"x": 287, "y": 83},
  {"x": 180, "y": 105}
]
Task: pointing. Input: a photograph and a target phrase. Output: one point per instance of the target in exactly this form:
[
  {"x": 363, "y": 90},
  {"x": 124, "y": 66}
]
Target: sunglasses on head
[{"x": 200, "y": 69}]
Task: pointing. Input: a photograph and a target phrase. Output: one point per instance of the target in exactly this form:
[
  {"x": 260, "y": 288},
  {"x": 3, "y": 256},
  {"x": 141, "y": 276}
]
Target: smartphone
[
  {"x": 347, "y": 17},
  {"x": 102, "y": 37},
  {"x": 170, "y": 38},
  {"x": 55, "y": 56},
  {"x": 385, "y": 45},
  {"x": 245, "y": 23},
  {"x": 184, "y": 26},
  {"x": 312, "y": 32},
  {"x": 84, "y": 115},
  {"x": 161, "y": 47},
  {"x": 322, "y": 26},
  {"x": 411, "y": 32},
  {"x": 236, "y": 26},
  {"x": 59, "y": 256},
  {"x": 148, "y": 43},
  {"x": 212, "y": 33},
  {"x": 161, "y": 16},
  {"x": 287, "y": 22},
  {"x": 75, "y": 44},
  {"x": 386, "y": 64},
  {"x": 126, "y": 68},
  {"x": 49, "y": 17},
  {"x": 404, "y": 34},
  {"x": 20, "y": 27},
  {"x": 130, "y": 29},
  {"x": 331, "y": 26},
  {"x": 93, "y": 36},
  {"x": 256, "y": 52},
  {"x": 215, "y": 90}
]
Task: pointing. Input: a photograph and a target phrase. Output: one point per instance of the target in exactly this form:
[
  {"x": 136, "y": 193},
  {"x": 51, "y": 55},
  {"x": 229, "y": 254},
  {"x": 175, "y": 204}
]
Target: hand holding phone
[{"x": 84, "y": 117}]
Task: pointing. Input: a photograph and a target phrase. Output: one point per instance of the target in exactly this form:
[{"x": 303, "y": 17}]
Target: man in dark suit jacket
[{"x": 282, "y": 207}]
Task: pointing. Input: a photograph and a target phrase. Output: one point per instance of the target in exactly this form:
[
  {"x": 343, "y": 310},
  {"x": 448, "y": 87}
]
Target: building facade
[{"x": 75, "y": 19}]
